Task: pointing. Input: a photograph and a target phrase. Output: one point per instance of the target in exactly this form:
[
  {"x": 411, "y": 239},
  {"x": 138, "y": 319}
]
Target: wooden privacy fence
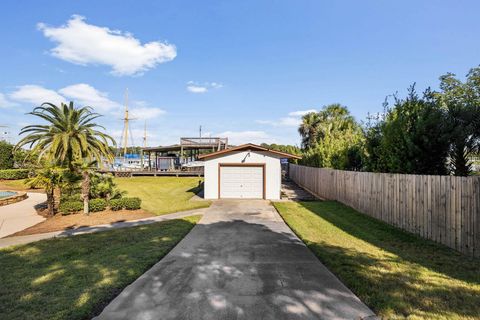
[{"x": 445, "y": 209}]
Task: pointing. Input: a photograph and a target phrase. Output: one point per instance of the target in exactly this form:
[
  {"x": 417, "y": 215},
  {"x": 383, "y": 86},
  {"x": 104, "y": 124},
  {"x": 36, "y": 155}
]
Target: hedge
[
  {"x": 132, "y": 203},
  {"x": 116, "y": 204},
  {"x": 125, "y": 203},
  {"x": 14, "y": 174},
  {"x": 96, "y": 205},
  {"x": 69, "y": 207}
]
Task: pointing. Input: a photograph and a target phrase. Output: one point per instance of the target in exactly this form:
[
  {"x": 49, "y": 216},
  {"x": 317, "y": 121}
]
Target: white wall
[{"x": 273, "y": 172}]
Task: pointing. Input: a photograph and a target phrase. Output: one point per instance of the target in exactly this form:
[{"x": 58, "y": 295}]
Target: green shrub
[
  {"x": 68, "y": 207},
  {"x": 132, "y": 203},
  {"x": 96, "y": 205},
  {"x": 116, "y": 204},
  {"x": 70, "y": 197},
  {"x": 6, "y": 155},
  {"x": 14, "y": 174}
]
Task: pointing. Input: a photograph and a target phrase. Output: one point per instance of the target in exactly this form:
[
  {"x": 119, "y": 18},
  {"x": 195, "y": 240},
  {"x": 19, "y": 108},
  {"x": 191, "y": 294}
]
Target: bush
[
  {"x": 6, "y": 155},
  {"x": 132, "y": 203},
  {"x": 116, "y": 204},
  {"x": 14, "y": 174},
  {"x": 69, "y": 207},
  {"x": 70, "y": 197},
  {"x": 96, "y": 205}
]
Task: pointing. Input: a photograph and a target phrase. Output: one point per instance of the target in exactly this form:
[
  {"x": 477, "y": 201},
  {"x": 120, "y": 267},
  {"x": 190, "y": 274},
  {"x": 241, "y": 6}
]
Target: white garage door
[{"x": 241, "y": 182}]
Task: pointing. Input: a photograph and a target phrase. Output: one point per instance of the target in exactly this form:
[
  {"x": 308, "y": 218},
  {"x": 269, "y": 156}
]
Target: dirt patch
[{"x": 74, "y": 221}]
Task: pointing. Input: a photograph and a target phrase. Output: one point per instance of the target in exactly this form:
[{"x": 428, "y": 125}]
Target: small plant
[
  {"x": 116, "y": 204},
  {"x": 96, "y": 205},
  {"x": 69, "y": 207},
  {"x": 132, "y": 203}
]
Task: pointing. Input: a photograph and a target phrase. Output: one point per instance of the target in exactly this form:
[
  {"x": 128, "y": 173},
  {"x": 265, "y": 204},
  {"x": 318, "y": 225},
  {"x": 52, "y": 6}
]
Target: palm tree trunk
[
  {"x": 85, "y": 191},
  {"x": 56, "y": 194},
  {"x": 50, "y": 203}
]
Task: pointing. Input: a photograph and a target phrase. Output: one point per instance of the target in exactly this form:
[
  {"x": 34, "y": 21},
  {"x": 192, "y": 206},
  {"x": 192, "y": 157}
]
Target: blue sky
[{"x": 245, "y": 69}]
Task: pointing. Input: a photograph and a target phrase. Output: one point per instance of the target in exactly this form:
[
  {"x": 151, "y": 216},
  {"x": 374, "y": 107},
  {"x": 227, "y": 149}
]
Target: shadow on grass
[
  {"x": 75, "y": 277},
  {"x": 396, "y": 272}
]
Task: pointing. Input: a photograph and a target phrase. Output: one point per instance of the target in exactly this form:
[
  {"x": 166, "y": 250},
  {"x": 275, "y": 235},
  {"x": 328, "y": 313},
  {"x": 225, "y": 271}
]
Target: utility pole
[{"x": 200, "y": 131}]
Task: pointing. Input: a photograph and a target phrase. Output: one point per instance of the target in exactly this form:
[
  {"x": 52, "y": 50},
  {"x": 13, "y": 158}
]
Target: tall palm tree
[
  {"x": 308, "y": 129},
  {"x": 69, "y": 135}
]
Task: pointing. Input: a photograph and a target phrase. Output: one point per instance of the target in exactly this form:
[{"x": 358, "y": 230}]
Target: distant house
[{"x": 248, "y": 171}]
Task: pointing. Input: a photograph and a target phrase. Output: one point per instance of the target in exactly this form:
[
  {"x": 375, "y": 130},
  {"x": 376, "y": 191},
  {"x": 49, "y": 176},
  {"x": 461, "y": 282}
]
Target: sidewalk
[
  {"x": 20, "y": 215},
  {"x": 11, "y": 241}
]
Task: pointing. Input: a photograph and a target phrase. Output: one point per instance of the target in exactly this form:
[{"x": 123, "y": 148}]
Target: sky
[{"x": 247, "y": 70}]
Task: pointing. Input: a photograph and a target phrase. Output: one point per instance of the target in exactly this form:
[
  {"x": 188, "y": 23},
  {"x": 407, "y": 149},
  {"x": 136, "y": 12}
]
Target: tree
[
  {"x": 284, "y": 148},
  {"x": 70, "y": 135},
  {"x": 412, "y": 137},
  {"x": 461, "y": 100},
  {"x": 50, "y": 179},
  {"x": 308, "y": 130},
  {"x": 334, "y": 139},
  {"x": 6, "y": 155}
]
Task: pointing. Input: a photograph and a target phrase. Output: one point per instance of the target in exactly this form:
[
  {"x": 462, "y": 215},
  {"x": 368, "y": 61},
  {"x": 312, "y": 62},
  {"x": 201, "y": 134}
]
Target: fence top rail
[{"x": 472, "y": 177}]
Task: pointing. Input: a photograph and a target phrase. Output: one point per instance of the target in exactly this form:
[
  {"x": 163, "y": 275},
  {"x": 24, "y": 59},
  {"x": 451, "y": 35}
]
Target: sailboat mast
[
  {"x": 125, "y": 125},
  {"x": 145, "y": 134}
]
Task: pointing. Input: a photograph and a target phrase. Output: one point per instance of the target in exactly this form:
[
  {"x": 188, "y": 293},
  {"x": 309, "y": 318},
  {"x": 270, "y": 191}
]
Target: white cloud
[
  {"x": 85, "y": 95},
  {"x": 241, "y": 137},
  {"x": 82, "y": 43},
  {"x": 293, "y": 119},
  {"x": 195, "y": 87},
  {"x": 145, "y": 113},
  {"x": 6, "y": 103},
  {"x": 301, "y": 113},
  {"x": 36, "y": 95}
]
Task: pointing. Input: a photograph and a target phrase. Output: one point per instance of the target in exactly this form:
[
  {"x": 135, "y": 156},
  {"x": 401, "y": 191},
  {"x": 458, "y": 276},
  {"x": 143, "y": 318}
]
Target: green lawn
[
  {"x": 397, "y": 274},
  {"x": 13, "y": 184},
  {"x": 161, "y": 195},
  {"x": 76, "y": 277}
]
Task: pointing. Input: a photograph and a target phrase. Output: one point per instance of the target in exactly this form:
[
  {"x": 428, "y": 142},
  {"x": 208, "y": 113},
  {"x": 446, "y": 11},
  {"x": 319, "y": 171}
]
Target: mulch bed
[{"x": 74, "y": 221}]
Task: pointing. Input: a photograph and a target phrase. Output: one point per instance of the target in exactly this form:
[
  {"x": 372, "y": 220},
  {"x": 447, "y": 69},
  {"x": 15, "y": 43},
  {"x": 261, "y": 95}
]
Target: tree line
[{"x": 432, "y": 132}]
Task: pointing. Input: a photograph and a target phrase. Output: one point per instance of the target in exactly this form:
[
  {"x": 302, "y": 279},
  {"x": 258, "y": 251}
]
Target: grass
[
  {"x": 397, "y": 274},
  {"x": 76, "y": 277},
  {"x": 161, "y": 195},
  {"x": 13, "y": 184}
]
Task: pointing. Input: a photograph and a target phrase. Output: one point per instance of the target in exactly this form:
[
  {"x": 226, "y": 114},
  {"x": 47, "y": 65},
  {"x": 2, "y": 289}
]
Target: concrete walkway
[
  {"x": 241, "y": 261},
  {"x": 11, "y": 241},
  {"x": 21, "y": 215}
]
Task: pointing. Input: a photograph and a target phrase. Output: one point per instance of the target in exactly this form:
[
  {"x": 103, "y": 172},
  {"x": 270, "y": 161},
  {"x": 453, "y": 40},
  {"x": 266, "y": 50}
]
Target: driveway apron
[{"x": 241, "y": 261}]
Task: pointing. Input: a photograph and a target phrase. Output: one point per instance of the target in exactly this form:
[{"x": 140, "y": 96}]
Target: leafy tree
[
  {"x": 462, "y": 103},
  {"x": 411, "y": 138},
  {"x": 103, "y": 186},
  {"x": 6, "y": 155},
  {"x": 333, "y": 139},
  {"x": 284, "y": 148}
]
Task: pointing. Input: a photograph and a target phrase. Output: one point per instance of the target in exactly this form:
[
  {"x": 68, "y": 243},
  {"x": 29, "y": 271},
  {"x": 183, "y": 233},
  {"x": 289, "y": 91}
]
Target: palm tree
[
  {"x": 48, "y": 178},
  {"x": 70, "y": 135},
  {"x": 308, "y": 129}
]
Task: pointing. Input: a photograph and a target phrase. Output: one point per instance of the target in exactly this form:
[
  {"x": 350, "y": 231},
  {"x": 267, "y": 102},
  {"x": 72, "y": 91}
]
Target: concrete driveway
[
  {"x": 21, "y": 215},
  {"x": 240, "y": 262}
]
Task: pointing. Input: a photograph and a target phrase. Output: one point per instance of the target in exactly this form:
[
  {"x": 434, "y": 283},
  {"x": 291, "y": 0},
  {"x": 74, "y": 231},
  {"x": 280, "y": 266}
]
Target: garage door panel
[{"x": 241, "y": 182}]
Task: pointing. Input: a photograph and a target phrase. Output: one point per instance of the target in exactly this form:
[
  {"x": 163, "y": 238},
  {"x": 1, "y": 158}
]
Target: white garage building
[{"x": 248, "y": 171}]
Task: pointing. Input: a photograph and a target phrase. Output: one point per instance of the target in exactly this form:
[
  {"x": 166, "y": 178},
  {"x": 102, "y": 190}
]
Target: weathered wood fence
[{"x": 445, "y": 209}]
